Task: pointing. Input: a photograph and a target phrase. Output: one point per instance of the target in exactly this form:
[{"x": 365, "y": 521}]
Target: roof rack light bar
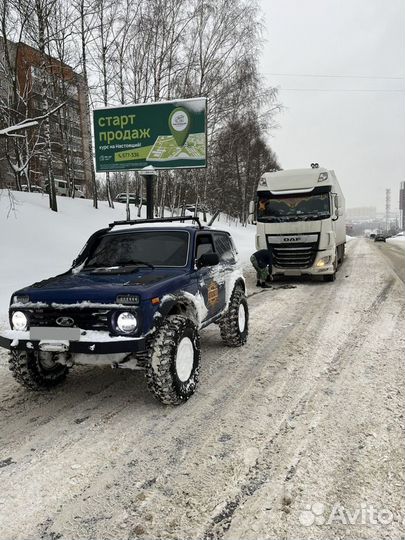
[{"x": 157, "y": 220}]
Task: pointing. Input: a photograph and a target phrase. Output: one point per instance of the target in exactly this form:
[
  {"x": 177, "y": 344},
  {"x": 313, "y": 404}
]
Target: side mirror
[
  {"x": 252, "y": 212},
  {"x": 334, "y": 206},
  {"x": 208, "y": 259}
]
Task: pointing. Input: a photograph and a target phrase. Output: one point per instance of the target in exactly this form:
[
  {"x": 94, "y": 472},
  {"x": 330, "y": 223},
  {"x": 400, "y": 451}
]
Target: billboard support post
[{"x": 148, "y": 173}]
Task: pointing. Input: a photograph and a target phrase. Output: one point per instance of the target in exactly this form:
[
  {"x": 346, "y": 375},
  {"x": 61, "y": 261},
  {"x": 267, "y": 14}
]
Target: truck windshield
[
  {"x": 141, "y": 248},
  {"x": 294, "y": 207}
]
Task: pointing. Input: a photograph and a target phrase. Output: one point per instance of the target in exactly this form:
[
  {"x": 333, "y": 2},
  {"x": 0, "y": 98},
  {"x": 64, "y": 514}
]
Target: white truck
[{"x": 300, "y": 216}]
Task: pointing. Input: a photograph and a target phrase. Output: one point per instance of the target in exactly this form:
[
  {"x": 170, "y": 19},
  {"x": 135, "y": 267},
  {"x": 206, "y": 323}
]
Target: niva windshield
[
  {"x": 151, "y": 248},
  {"x": 293, "y": 207}
]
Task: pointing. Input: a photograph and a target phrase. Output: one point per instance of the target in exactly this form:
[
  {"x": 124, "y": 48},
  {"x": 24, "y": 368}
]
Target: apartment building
[{"x": 40, "y": 76}]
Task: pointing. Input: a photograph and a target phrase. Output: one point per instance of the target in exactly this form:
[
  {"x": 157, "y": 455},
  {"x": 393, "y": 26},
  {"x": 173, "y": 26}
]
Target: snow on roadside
[
  {"x": 37, "y": 243},
  {"x": 398, "y": 240}
]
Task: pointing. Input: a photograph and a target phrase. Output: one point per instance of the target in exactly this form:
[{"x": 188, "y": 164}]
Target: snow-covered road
[
  {"x": 309, "y": 412},
  {"x": 394, "y": 251}
]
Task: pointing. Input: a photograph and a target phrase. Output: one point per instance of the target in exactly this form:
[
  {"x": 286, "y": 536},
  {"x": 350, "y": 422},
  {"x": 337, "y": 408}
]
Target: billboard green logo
[
  {"x": 179, "y": 123},
  {"x": 167, "y": 135}
]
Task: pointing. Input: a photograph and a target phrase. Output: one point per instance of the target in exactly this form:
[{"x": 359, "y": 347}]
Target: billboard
[{"x": 166, "y": 135}]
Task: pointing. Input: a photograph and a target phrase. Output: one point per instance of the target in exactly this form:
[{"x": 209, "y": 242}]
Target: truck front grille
[
  {"x": 293, "y": 250},
  {"x": 297, "y": 256},
  {"x": 88, "y": 319}
]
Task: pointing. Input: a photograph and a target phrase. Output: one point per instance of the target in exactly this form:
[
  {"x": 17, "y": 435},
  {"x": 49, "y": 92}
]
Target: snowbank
[
  {"x": 398, "y": 240},
  {"x": 37, "y": 243}
]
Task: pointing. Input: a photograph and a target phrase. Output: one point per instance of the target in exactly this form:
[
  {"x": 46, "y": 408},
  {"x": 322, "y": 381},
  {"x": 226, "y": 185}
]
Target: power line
[
  {"x": 399, "y": 90},
  {"x": 335, "y": 76}
]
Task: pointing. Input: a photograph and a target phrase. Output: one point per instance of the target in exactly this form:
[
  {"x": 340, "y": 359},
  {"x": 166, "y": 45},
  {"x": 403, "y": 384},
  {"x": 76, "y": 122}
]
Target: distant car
[
  {"x": 372, "y": 235},
  {"x": 191, "y": 208},
  {"x": 380, "y": 238},
  {"x": 122, "y": 198},
  {"x": 34, "y": 188},
  {"x": 61, "y": 187}
]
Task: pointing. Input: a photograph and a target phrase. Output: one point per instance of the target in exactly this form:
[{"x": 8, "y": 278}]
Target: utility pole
[
  {"x": 402, "y": 206},
  {"x": 387, "y": 208}
]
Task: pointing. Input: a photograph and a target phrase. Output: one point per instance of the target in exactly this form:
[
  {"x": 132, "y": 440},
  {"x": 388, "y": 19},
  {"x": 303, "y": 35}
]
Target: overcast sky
[{"x": 354, "y": 125}]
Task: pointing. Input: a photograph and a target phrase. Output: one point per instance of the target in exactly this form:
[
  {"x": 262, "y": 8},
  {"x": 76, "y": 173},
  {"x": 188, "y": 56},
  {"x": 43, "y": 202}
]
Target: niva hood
[{"x": 103, "y": 287}]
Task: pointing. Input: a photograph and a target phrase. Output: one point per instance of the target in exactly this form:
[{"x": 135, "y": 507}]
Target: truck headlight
[
  {"x": 19, "y": 321},
  {"x": 322, "y": 176},
  {"x": 126, "y": 322},
  {"x": 323, "y": 262}
]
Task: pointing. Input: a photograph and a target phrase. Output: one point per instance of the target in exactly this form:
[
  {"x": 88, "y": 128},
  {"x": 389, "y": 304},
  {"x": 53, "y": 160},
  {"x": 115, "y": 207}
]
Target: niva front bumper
[{"x": 90, "y": 342}]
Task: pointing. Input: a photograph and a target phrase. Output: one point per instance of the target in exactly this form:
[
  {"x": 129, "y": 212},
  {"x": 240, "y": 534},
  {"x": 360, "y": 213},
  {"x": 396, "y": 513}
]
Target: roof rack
[{"x": 157, "y": 220}]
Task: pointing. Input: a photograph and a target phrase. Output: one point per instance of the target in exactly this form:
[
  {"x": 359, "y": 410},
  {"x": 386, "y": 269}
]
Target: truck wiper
[{"x": 270, "y": 219}]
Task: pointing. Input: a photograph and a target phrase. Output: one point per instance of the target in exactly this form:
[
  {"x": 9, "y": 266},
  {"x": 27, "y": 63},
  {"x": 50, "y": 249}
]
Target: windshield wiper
[
  {"x": 134, "y": 263},
  {"x": 274, "y": 219}
]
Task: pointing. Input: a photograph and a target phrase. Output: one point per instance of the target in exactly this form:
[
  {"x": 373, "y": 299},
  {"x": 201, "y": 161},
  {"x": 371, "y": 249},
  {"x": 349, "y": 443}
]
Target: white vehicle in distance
[
  {"x": 122, "y": 198},
  {"x": 61, "y": 187},
  {"x": 34, "y": 188},
  {"x": 300, "y": 217}
]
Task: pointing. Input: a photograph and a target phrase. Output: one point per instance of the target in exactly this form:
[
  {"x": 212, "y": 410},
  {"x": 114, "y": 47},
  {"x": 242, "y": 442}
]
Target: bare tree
[
  {"x": 14, "y": 92},
  {"x": 84, "y": 24},
  {"x": 104, "y": 42}
]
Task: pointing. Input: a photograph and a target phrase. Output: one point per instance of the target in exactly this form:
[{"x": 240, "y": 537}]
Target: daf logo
[
  {"x": 291, "y": 239},
  {"x": 65, "y": 321}
]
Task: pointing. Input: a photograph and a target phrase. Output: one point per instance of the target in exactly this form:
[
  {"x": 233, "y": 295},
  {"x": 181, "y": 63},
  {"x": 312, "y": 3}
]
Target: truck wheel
[
  {"x": 172, "y": 370},
  {"x": 234, "y": 325},
  {"x": 34, "y": 372},
  {"x": 342, "y": 254}
]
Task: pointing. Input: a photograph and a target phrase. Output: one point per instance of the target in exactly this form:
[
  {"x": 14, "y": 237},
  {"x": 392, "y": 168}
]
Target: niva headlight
[
  {"x": 126, "y": 322},
  {"x": 19, "y": 321}
]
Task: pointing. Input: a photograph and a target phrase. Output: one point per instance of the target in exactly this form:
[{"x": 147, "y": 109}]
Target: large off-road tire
[
  {"x": 234, "y": 325},
  {"x": 174, "y": 361},
  {"x": 30, "y": 371}
]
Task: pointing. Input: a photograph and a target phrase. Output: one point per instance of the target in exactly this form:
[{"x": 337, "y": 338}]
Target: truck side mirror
[
  {"x": 334, "y": 206},
  {"x": 208, "y": 259},
  {"x": 252, "y": 208}
]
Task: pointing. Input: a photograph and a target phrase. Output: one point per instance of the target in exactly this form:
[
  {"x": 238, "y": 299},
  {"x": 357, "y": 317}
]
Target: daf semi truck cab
[{"x": 300, "y": 216}]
